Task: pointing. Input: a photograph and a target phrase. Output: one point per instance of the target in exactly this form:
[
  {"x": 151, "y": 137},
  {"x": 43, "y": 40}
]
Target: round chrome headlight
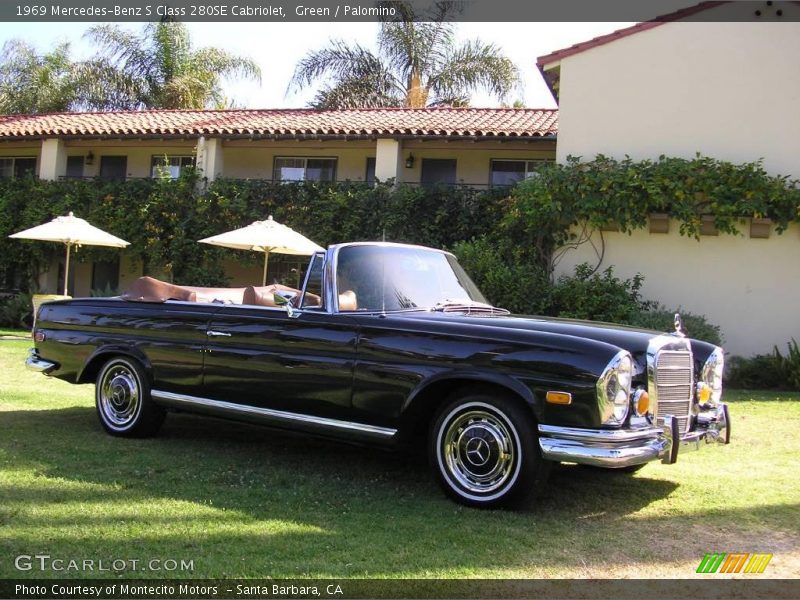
[
  {"x": 614, "y": 388},
  {"x": 712, "y": 373}
]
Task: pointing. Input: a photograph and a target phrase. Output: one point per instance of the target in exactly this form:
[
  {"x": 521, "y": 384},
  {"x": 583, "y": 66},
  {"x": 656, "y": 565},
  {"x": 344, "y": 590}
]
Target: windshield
[{"x": 385, "y": 278}]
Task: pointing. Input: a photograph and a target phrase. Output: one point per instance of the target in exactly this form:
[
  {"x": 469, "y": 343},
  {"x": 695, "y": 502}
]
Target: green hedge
[
  {"x": 163, "y": 219},
  {"x": 542, "y": 210},
  {"x": 505, "y": 237}
]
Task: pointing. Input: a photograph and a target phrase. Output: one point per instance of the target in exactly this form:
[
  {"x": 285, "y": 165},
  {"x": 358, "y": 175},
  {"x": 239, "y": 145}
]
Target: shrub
[
  {"x": 106, "y": 292},
  {"x": 789, "y": 365},
  {"x": 772, "y": 371},
  {"x": 520, "y": 288},
  {"x": 598, "y": 296},
  {"x": 17, "y": 311},
  {"x": 695, "y": 326}
]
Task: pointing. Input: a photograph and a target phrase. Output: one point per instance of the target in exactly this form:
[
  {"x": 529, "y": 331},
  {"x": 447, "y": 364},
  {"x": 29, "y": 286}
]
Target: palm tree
[
  {"x": 34, "y": 83},
  {"x": 418, "y": 64},
  {"x": 161, "y": 69}
]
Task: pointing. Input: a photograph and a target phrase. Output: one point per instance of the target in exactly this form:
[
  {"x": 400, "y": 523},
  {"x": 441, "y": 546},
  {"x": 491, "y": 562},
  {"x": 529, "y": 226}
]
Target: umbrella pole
[
  {"x": 266, "y": 258},
  {"x": 66, "y": 271}
]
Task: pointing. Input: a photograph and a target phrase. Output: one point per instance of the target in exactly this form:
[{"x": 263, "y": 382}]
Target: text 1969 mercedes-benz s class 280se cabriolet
[{"x": 387, "y": 344}]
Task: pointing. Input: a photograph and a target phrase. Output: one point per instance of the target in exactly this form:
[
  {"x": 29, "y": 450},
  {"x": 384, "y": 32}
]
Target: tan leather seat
[
  {"x": 149, "y": 289},
  {"x": 264, "y": 295},
  {"x": 348, "y": 301},
  {"x": 224, "y": 295}
]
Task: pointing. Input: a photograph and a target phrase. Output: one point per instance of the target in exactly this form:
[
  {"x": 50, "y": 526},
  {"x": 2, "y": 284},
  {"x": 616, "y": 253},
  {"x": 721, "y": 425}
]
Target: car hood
[{"x": 632, "y": 339}]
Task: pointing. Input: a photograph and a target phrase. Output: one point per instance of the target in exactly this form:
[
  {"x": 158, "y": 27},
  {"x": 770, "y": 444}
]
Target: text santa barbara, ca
[{"x": 185, "y": 590}]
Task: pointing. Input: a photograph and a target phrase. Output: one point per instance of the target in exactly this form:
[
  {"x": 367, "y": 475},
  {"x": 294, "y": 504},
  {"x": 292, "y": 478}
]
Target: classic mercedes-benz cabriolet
[{"x": 391, "y": 344}]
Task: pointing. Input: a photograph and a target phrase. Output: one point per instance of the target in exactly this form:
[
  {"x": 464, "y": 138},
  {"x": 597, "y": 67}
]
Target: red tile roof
[
  {"x": 426, "y": 122},
  {"x": 621, "y": 33}
]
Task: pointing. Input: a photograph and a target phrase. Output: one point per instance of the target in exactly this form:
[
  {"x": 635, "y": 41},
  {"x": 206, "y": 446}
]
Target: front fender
[{"x": 455, "y": 375}]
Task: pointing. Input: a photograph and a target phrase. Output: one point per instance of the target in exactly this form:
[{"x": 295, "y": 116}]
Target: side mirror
[{"x": 286, "y": 299}]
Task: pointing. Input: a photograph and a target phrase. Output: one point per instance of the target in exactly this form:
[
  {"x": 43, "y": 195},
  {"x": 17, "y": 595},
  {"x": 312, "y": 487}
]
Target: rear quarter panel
[{"x": 169, "y": 338}]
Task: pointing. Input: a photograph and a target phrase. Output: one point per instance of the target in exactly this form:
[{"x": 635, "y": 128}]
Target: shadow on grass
[{"x": 345, "y": 510}]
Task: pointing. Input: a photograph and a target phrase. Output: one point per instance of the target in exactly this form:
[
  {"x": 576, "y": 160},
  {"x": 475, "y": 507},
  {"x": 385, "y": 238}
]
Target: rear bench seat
[{"x": 149, "y": 289}]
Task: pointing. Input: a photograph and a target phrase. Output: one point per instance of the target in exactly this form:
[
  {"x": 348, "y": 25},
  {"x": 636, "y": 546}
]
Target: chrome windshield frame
[{"x": 331, "y": 284}]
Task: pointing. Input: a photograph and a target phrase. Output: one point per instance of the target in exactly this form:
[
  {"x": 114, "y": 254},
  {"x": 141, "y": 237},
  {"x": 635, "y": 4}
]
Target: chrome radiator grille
[{"x": 673, "y": 383}]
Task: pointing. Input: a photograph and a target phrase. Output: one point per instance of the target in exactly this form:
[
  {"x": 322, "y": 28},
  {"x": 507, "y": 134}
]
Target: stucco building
[
  {"x": 453, "y": 146},
  {"x": 701, "y": 81},
  {"x": 707, "y": 79}
]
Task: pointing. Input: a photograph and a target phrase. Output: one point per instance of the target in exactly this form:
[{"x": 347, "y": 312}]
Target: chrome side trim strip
[
  {"x": 600, "y": 435},
  {"x": 268, "y": 413}
]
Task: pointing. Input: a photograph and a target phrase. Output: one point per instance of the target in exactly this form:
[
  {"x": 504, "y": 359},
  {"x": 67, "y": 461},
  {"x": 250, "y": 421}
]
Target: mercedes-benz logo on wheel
[{"x": 478, "y": 451}]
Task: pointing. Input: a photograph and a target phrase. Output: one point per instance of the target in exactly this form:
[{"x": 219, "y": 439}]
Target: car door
[{"x": 298, "y": 361}]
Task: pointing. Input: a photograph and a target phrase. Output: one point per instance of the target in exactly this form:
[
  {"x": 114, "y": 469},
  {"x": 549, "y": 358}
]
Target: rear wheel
[
  {"x": 122, "y": 397},
  {"x": 484, "y": 451}
]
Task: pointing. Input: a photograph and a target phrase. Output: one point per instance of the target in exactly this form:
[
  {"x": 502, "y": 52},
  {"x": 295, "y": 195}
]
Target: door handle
[{"x": 211, "y": 333}]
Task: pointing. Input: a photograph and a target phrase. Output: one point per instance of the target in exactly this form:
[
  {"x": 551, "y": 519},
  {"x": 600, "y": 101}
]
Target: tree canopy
[
  {"x": 32, "y": 82},
  {"x": 419, "y": 63},
  {"x": 160, "y": 68},
  {"x": 157, "y": 68}
]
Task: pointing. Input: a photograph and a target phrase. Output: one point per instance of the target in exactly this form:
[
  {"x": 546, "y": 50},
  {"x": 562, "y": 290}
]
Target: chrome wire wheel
[
  {"x": 119, "y": 395},
  {"x": 478, "y": 451}
]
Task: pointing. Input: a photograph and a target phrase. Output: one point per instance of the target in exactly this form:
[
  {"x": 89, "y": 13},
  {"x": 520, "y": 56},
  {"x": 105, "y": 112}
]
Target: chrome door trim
[{"x": 221, "y": 406}]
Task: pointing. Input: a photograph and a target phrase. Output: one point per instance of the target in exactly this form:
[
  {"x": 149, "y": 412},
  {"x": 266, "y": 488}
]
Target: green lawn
[
  {"x": 4, "y": 332},
  {"x": 242, "y": 501}
]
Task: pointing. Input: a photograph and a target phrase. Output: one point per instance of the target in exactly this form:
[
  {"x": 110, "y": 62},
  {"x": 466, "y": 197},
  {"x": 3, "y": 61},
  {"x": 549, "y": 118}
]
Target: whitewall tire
[
  {"x": 122, "y": 398},
  {"x": 484, "y": 451}
]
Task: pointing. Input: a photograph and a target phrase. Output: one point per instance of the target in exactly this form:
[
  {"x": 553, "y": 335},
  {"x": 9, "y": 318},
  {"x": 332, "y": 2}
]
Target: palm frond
[
  {"x": 172, "y": 48},
  {"x": 31, "y": 83},
  {"x": 125, "y": 50},
  {"x": 101, "y": 86},
  {"x": 475, "y": 65},
  {"x": 225, "y": 64},
  {"x": 450, "y": 101},
  {"x": 338, "y": 62},
  {"x": 357, "y": 93}
]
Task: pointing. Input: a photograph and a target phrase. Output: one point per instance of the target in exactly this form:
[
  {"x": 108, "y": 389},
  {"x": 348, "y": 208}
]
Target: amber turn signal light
[
  {"x": 559, "y": 397},
  {"x": 703, "y": 392},
  {"x": 641, "y": 402}
]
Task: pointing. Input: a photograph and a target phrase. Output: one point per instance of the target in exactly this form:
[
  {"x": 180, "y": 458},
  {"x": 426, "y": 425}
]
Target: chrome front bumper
[
  {"x": 35, "y": 363},
  {"x": 616, "y": 448}
]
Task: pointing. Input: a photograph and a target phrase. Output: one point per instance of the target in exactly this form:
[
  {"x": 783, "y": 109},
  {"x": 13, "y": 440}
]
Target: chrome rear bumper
[
  {"x": 35, "y": 363},
  {"x": 629, "y": 447}
]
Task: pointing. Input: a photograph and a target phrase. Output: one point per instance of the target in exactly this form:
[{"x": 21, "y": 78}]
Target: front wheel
[
  {"x": 484, "y": 451},
  {"x": 122, "y": 397}
]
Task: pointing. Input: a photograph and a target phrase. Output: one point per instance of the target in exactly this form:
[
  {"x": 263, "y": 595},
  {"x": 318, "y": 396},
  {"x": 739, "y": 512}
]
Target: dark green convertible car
[{"x": 393, "y": 344}]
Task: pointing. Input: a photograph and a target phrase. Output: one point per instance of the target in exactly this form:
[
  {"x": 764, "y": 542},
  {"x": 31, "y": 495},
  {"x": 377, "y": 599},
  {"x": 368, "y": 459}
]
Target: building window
[
  {"x": 113, "y": 167},
  {"x": 370, "y": 175},
  {"x": 304, "y": 169},
  {"x": 508, "y": 172},
  {"x": 438, "y": 171},
  {"x": 170, "y": 167},
  {"x": 105, "y": 277},
  {"x": 74, "y": 167},
  {"x": 17, "y": 166}
]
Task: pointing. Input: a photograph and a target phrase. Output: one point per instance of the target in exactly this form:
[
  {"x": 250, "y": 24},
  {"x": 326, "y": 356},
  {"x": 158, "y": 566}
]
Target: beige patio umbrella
[
  {"x": 71, "y": 231},
  {"x": 265, "y": 236}
]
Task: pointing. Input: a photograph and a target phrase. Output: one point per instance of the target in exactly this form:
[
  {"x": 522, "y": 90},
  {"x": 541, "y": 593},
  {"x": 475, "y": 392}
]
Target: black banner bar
[
  {"x": 711, "y": 587},
  {"x": 372, "y": 10}
]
